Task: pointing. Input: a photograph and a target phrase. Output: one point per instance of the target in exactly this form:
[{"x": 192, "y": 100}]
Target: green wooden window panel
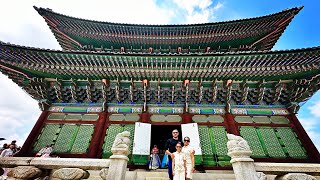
[
  {"x": 47, "y": 136},
  {"x": 206, "y": 146},
  {"x": 66, "y": 138},
  {"x": 291, "y": 143},
  {"x": 271, "y": 142},
  {"x": 82, "y": 139},
  {"x": 251, "y": 136}
]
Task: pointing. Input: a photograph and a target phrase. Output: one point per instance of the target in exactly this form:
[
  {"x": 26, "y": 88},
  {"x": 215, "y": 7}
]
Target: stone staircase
[{"x": 162, "y": 174}]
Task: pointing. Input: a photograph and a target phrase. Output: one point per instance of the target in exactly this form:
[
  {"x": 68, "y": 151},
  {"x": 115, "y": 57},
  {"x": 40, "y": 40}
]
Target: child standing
[
  {"x": 179, "y": 164},
  {"x": 154, "y": 162}
]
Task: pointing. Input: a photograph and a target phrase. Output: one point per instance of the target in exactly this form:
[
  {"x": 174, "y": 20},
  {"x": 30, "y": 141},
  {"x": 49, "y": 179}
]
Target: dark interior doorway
[{"x": 160, "y": 134}]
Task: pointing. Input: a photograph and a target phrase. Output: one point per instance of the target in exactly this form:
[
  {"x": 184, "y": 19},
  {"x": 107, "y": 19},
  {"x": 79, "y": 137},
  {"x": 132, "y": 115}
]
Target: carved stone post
[
  {"x": 243, "y": 167},
  {"x": 119, "y": 159}
]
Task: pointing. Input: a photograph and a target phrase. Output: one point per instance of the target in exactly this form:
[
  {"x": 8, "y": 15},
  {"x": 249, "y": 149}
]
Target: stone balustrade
[
  {"x": 55, "y": 163},
  {"x": 115, "y": 168},
  {"x": 284, "y": 168},
  {"x": 77, "y": 167},
  {"x": 245, "y": 169},
  {"x": 72, "y": 168},
  {"x": 33, "y": 167}
]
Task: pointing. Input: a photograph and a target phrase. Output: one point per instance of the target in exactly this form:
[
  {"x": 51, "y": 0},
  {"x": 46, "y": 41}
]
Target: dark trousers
[{"x": 170, "y": 168}]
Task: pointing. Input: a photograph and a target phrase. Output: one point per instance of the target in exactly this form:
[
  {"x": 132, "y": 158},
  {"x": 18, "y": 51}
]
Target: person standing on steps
[
  {"x": 179, "y": 164},
  {"x": 155, "y": 161},
  {"x": 189, "y": 153},
  {"x": 170, "y": 148}
]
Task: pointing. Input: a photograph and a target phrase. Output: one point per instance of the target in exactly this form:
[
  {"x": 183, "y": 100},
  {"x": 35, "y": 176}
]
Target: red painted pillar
[
  {"x": 187, "y": 118},
  {"x": 312, "y": 151},
  {"x": 95, "y": 144},
  {"x": 144, "y": 117},
  {"x": 231, "y": 125},
  {"x": 27, "y": 146}
]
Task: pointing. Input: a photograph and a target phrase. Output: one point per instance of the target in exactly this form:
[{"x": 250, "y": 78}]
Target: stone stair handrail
[
  {"x": 284, "y": 168},
  {"x": 55, "y": 163}
]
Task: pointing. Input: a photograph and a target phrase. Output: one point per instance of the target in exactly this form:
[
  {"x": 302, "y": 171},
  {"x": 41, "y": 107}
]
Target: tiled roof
[{"x": 260, "y": 33}]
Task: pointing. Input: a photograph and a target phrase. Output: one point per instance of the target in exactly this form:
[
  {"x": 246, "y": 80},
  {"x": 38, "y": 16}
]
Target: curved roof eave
[
  {"x": 294, "y": 10},
  {"x": 315, "y": 48}
]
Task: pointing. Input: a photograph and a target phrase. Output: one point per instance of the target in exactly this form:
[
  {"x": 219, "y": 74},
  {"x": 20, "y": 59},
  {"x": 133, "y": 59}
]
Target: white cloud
[
  {"x": 18, "y": 112},
  {"x": 198, "y": 11},
  {"x": 218, "y": 6},
  {"x": 315, "y": 109},
  {"x": 311, "y": 125},
  {"x": 204, "y": 4},
  {"x": 198, "y": 17},
  {"x": 191, "y": 5},
  {"x": 138, "y": 11},
  {"x": 314, "y": 135}
]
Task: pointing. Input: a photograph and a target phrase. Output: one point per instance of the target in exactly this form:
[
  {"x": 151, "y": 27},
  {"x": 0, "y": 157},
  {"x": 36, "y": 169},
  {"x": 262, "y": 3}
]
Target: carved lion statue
[
  {"x": 122, "y": 140},
  {"x": 237, "y": 143}
]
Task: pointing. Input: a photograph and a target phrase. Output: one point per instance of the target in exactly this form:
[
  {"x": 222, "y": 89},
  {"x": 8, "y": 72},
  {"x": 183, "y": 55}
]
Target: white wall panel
[
  {"x": 142, "y": 139},
  {"x": 191, "y": 130}
]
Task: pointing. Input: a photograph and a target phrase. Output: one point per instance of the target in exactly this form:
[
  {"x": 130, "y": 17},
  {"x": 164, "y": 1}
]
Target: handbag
[{"x": 164, "y": 163}]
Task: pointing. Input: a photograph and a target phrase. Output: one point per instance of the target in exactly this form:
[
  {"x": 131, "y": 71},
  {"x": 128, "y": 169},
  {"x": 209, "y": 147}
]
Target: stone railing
[
  {"x": 67, "y": 168},
  {"x": 245, "y": 169},
  {"x": 72, "y": 168},
  {"x": 115, "y": 167}
]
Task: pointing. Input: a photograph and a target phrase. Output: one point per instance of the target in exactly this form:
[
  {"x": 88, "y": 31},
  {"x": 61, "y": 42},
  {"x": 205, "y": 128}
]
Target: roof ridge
[{"x": 294, "y": 10}]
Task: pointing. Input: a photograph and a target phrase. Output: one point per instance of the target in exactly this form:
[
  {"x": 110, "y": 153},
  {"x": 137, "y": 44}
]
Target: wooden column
[
  {"x": 144, "y": 117},
  {"x": 95, "y": 144},
  {"x": 231, "y": 125},
  {"x": 187, "y": 118},
  {"x": 312, "y": 151},
  {"x": 27, "y": 146}
]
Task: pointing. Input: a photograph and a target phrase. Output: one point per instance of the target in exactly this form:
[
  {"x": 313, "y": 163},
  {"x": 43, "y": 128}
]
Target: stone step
[{"x": 162, "y": 174}]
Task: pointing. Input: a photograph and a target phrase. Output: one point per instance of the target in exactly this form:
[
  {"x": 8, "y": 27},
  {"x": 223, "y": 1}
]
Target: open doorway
[{"x": 160, "y": 134}]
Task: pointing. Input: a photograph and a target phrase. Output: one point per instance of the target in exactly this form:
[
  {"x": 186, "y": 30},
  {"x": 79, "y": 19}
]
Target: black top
[{"x": 171, "y": 145}]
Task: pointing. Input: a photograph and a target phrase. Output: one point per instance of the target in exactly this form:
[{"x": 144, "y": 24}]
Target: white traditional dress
[
  {"x": 179, "y": 170},
  {"x": 187, "y": 150}
]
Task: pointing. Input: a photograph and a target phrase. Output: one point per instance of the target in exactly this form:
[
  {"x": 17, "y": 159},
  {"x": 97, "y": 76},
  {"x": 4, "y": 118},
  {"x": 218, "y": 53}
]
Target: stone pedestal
[
  {"x": 243, "y": 166},
  {"x": 70, "y": 174},
  {"x": 296, "y": 176},
  {"x": 25, "y": 172}
]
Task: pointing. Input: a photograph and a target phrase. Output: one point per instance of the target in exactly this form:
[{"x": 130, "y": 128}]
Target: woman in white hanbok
[{"x": 189, "y": 153}]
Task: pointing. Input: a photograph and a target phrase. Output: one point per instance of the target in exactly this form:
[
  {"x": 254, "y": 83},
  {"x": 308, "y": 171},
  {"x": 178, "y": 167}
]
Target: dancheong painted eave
[
  {"x": 251, "y": 65},
  {"x": 260, "y": 33}
]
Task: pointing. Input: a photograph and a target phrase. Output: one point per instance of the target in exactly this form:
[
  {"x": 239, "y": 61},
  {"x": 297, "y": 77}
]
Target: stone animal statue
[
  {"x": 121, "y": 143},
  {"x": 122, "y": 140},
  {"x": 237, "y": 143}
]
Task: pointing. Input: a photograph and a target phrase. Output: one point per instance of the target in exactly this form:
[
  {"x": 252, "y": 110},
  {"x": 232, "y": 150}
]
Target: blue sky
[{"x": 20, "y": 24}]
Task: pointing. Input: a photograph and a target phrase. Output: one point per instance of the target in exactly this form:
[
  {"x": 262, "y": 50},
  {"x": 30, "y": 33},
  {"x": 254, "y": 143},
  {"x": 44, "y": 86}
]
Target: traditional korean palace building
[{"x": 206, "y": 80}]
